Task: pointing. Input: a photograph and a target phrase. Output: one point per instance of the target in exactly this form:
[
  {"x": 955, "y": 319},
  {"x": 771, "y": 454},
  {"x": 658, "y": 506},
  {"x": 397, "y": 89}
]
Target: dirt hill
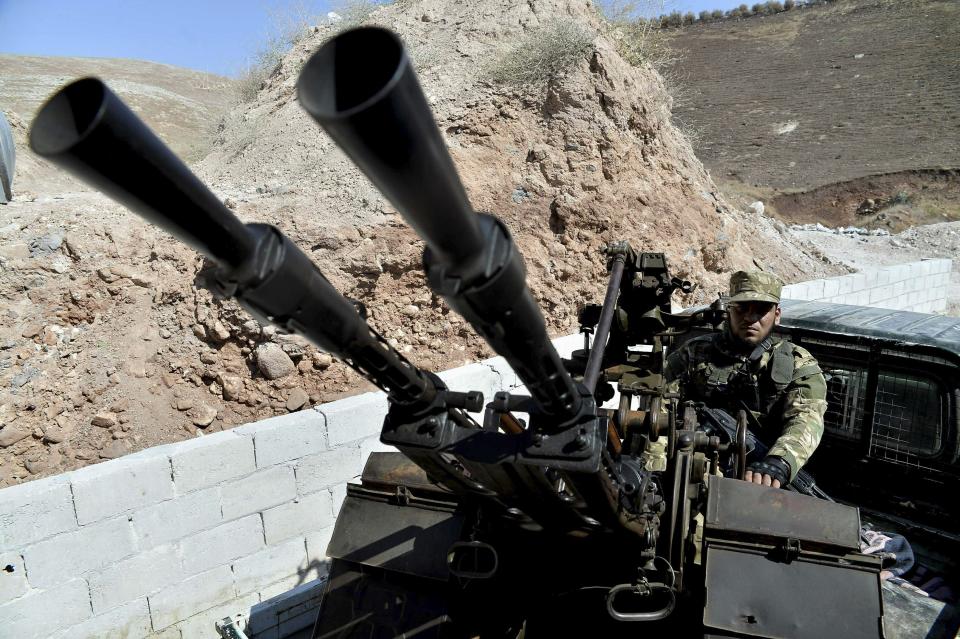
[
  {"x": 181, "y": 105},
  {"x": 826, "y": 94},
  {"x": 107, "y": 345}
]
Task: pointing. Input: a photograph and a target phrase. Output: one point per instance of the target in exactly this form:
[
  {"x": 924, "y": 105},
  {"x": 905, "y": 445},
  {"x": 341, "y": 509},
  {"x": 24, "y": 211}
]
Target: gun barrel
[
  {"x": 88, "y": 130},
  {"x": 361, "y": 88}
]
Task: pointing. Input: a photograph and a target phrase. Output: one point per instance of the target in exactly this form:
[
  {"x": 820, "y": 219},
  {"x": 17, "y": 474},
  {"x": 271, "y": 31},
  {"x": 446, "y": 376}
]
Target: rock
[
  {"x": 32, "y": 331},
  {"x": 218, "y": 331},
  {"x": 232, "y": 386},
  {"x": 296, "y": 399},
  {"x": 165, "y": 334},
  {"x": 322, "y": 361},
  {"x": 56, "y": 433},
  {"x": 53, "y": 410},
  {"x": 183, "y": 404},
  {"x": 756, "y": 207},
  {"x": 35, "y": 466},
  {"x": 200, "y": 331},
  {"x": 47, "y": 244},
  {"x": 116, "y": 448},
  {"x": 107, "y": 275},
  {"x": 208, "y": 358},
  {"x": 411, "y": 310},
  {"x": 272, "y": 362},
  {"x": 304, "y": 365},
  {"x": 12, "y": 433},
  {"x": 251, "y": 328},
  {"x": 204, "y": 415},
  {"x": 85, "y": 454},
  {"x": 104, "y": 420},
  {"x": 23, "y": 377},
  {"x": 169, "y": 379},
  {"x": 120, "y": 405},
  {"x": 50, "y": 337}
]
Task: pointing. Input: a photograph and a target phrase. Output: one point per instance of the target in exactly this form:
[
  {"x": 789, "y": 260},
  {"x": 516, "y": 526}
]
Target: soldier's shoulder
[{"x": 804, "y": 363}]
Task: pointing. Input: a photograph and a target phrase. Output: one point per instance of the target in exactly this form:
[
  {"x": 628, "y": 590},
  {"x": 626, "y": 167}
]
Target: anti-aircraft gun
[{"x": 501, "y": 525}]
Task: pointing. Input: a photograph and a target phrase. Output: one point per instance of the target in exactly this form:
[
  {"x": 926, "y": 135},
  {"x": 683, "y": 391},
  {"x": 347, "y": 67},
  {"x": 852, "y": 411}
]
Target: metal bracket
[
  {"x": 791, "y": 549},
  {"x": 229, "y": 627}
]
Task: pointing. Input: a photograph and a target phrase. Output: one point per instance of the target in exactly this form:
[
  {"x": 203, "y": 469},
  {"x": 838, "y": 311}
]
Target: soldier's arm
[{"x": 804, "y": 406}]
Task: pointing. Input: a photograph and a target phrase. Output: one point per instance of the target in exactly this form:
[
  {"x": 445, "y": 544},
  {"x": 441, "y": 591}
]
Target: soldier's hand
[
  {"x": 773, "y": 471},
  {"x": 758, "y": 478}
]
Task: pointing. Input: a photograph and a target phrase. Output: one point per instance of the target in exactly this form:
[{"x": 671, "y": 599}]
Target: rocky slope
[{"x": 108, "y": 346}]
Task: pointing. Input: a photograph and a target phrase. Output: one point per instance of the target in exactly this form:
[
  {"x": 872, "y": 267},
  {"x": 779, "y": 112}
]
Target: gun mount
[{"x": 498, "y": 527}]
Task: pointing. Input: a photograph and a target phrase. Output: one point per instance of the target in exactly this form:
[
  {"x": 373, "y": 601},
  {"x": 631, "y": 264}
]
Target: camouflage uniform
[{"x": 779, "y": 382}]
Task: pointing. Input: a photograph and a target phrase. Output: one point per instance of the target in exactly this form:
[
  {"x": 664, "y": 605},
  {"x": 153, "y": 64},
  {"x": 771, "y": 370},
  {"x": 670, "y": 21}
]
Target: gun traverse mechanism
[{"x": 498, "y": 527}]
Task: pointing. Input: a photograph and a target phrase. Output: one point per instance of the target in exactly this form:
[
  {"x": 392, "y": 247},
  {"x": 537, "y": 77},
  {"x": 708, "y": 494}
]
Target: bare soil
[{"x": 825, "y": 94}]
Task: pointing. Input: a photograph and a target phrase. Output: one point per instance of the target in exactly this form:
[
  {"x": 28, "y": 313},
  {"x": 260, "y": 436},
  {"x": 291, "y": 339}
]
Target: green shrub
[
  {"x": 716, "y": 14},
  {"x": 689, "y": 18},
  {"x": 675, "y": 19},
  {"x": 789, "y": 4},
  {"x": 774, "y": 7},
  {"x": 704, "y": 16},
  {"x": 758, "y": 9},
  {"x": 542, "y": 54}
]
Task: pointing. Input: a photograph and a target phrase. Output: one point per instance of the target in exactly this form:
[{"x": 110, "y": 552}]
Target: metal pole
[{"x": 592, "y": 373}]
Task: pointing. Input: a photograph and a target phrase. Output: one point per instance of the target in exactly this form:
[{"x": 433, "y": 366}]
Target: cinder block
[
  {"x": 259, "y": 491},
  {"x": 271, "y": 564},
  {"x": 566, "y": 344},
  {"x": 13, "y": 576},
  {"x": 35, "y": 510},
  {"x": 191, "y": 596},
  {"x": 354, "y": 418},
  {"x": 876, "y": 295},
  {"x": 308, "y": 513},
  {"x": 211, "y": 459},
  {"x": 287, "y": 437},
  {"x": 815, "y": 289},
  {"x": 831, "y": 287},
  {"x": 283, "y": 605},
  {"x": 899, "y": 288},
  {"x": 328, "y": 468},
  {"x": 74, "y": 553},
  {"x": 203, "y": 624},
  {"x": 883, "y": 277},
  {"x": 371, "y": 445},
  {"x": 135, "y": 577},
  {"x": 317, "y": 543},
  {"x": 222, "y": 544},
  {"x": 105, "y": 490},
  {"x": 131, "y": 620},
  {"x": 338, "y": 493},
  {"x": 177, "y": 518},
  {"x": 845, "y": 284},
  {"x": 798, "y": 291},
  {"x": 41, "y": 613}
]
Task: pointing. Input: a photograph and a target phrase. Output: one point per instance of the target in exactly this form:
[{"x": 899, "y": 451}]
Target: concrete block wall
[
  {"x": 169, "y": 540},
  {"x": 921, "y": 287},
  {"x": 165, "y": 542}
]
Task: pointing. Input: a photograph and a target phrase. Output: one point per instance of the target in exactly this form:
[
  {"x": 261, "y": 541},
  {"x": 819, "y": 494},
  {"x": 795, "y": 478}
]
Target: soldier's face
[{"x": 751, "y": 322}]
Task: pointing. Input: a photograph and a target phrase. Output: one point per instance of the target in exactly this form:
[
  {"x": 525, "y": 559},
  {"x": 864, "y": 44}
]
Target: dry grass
[
  {"x": 290, "y": 25},
  {"x": 542, "y": 54}
]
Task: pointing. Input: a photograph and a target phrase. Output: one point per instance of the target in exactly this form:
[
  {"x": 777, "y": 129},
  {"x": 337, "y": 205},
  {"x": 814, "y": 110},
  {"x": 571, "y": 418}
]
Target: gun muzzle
[
  {"x": 86, "y": 129},
  {"x": 361, "y": 88}
]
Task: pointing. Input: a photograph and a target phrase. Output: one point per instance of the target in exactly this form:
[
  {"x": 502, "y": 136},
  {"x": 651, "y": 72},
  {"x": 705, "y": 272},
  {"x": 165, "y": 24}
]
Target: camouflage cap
[{"x": 755, "y": 286}]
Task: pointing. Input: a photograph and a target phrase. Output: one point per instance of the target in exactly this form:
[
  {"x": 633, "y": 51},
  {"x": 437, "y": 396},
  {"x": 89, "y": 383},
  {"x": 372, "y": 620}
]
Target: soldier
[{"x": 745, "y": 367}]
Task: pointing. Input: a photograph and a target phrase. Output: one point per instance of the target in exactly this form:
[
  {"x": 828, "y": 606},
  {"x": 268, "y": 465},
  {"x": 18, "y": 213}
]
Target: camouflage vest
[{"x": 716, "y": 373}]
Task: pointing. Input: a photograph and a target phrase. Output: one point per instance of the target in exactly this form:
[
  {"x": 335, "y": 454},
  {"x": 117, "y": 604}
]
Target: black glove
[{"x": 776, "y": 467}]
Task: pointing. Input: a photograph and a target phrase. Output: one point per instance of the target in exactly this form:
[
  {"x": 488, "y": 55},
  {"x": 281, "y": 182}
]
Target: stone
[
  {"x": 115, "y": 448},
  {"x": 411, "y": 310},
  {"x": 32, "y": 331},
  {"x": 273, "y": 362},
  {"x": 53, "y": 410},
  {"x": 183, "y": 404},
  {"x": 107, "y": 275},
  {"x": 208, "y": 358},
  {"x": 204, "y": 415},
  {"x": 304, "y": 365},
  {"x": 104, "y": 420},
  {"x": 169, "y": 379},
  {"x": 231, "y": 386},
  {"x": 56, "y": 434},
  {"x": 296, "y": 399},
  {"x": 322, "y": 361},
  {"x": 120, "y": 405},
  {"x": 12, "y": 433},
  {"x": 218, "y": 331},
  {"x": 165, "y": 334},
  {"x": 35, "y": 466},
  {"x": 200, "y": 331}
]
